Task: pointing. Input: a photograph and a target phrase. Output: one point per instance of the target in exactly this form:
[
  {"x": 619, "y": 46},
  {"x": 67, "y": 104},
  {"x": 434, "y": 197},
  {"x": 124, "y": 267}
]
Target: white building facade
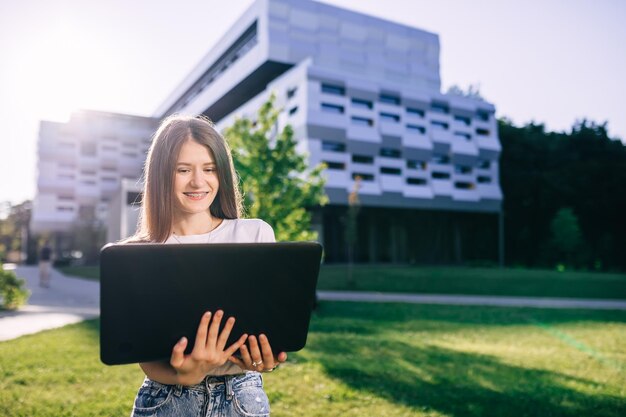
[
  {"x": 363, "y": 95},
  {"x": 81, "y": 165}
]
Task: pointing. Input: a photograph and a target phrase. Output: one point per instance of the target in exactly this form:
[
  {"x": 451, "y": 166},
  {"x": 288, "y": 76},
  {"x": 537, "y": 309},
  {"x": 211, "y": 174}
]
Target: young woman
[{"x": 191, "y": 196}]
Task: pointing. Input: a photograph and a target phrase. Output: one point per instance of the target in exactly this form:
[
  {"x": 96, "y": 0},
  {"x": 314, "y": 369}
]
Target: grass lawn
[
  {"x": 458, "y": 280},
  {"x": 367, "y": 359}
]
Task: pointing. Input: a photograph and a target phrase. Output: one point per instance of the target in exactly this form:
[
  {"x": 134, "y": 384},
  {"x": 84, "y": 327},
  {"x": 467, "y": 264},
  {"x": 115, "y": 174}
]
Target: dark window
[
  {"x": 390, "y": 153},
  {"x": 484, "y": 164},
  {"x": 109, "y": 179},
  {"x": 416, "y": 128},
  {"x": 332, "y": 108},
  {"x": 293, "y": 110},
  {"x": 389, "y": 117},
  {"x": 65, "y": 198},
  {"x": 362, "y": 121},
  {"x": 364, "y": 177},
  {"x": 482, "y": 132},
  {"x": 358, "y": 103},
  {"x": 482, "y": 115},
  {"x": 462, "y": 169},
  {"x": 464, "y": 185},
  {"x": 362, "y": 159},
  {"x": 133, "y": 198},
  {"x": 484, "y": 180},
  {"x": 465, "y": 120},
  {"x": 61, "y": 208},
  {"x": 333, "y": 89},
  {"x": 441, "y": 159},
  {"x": 333, "y": 146},
  {"x": 291, "y": 92},
  {"x": 335, "y": 165},
  {"x": 438, "y": 175},
  {"x": 465, "y": 136},
  {"x": 390, "y": 171},
  {"x": 439, "y": 107},
  {"x": 413, "y": 164},
  {"x": 416, "y": 181},
  {"x": 415, "y": 112},
  {"x": 389, "y": 99},
  {"x": 439, "y": 125}
]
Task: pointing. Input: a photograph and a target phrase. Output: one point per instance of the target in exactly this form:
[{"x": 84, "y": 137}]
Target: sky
[{"x": 548, "y": 61}]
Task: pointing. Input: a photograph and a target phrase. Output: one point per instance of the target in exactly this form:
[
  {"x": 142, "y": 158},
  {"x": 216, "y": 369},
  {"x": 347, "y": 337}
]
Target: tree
[
  {"x": 567, "y": 239},
  {"x": 277, "y": 184}
]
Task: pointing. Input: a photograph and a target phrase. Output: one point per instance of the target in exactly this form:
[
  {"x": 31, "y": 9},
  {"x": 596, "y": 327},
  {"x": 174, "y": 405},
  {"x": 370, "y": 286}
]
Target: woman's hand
[
  {"x": 258, "y": 359},
  {"x": 208, "y": 351}
]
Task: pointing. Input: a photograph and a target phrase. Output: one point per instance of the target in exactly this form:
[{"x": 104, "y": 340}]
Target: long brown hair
[{"x": 157, "y": 210}]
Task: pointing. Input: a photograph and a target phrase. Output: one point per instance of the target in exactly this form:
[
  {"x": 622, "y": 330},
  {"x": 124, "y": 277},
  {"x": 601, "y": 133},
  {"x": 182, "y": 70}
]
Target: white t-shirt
[{"x": 230, "y": 231}]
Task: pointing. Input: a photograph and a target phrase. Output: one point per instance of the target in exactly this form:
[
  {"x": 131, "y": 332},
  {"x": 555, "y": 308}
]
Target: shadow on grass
[{"x": 452, "y": 382}]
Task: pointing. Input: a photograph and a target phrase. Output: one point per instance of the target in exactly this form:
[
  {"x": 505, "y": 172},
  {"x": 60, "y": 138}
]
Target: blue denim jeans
[{"x": 222, "y": 396}]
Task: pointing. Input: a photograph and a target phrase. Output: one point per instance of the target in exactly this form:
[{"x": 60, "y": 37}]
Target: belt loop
[
  {"x": 228, "y": 381},
  {"x": 178, "y": 390}
]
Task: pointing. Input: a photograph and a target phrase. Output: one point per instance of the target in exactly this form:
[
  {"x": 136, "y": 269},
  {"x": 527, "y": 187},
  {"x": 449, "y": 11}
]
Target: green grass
[
  {"x": 457, "y": 280},
  {"x": 88, "y": 272},
  {"x": 369, "y": 359}
]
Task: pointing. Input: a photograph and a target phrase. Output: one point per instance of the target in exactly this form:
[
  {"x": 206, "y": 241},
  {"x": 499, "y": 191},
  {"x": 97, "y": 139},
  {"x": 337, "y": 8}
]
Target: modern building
[
  {"x": 363, "y": 95},
  {"x": 81, "y": 165}
]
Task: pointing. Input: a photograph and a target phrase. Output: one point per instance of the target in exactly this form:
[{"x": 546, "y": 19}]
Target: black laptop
[{"x": 153, "y": 294}]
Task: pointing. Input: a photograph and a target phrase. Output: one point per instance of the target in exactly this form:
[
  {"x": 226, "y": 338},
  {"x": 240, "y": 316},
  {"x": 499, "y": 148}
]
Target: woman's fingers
[
  {"x": 214, "y": 328},
  {"x": 225, "y": 333},
  {"x": 201, "y": 335},
  {"x": 178, "y": 353},
  {"x": 237, "y": 345},
  {"x": 255, "y": 353},
  {"x": 266, "y": 351},
  {"x": 282, "y": 357},
  {"x": 245, "y": 357}
]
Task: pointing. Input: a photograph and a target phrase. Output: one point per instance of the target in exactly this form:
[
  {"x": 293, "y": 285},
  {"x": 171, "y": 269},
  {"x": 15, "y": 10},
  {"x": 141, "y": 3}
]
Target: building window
[
  {"x": 482, "y": 115},
  {"x": 358, "y": 103},
  {"x": 482, "y": 132},
  {"x": 389, "y": 117},
  {"x": 438, "y": 175},
  {"x": 333, "y": 89},
  {"x": 87, "y": 172},
  {"x": 109, "y": 148},
  {"x": 439, "y": 125},
  {"x": 413, "y": 164},
  {"x": 441, "y": 159},
  {"x": 462, "y": 119},
  {"x": 439, "y": 107},
  {"x": 465, "y": 136},
  {"x": 129, "y": 155},
  {"x": 390, "y": 171},
  {"x": 389, "y": 99},
  {"x": 390, "y": 153},
  {"x": 293, "y": 111},
  {"x": 462, "y": 185},
  {"x": 63, "y": 208},
  {"x": 65, "y": 198},
  {"x": 333, "y": 146},
  {"x": 66, "y": 176},
  {"x": 462, "y": 169},
  {"x": 416, "y": 129},
  {"x": 362, "y": 121},
  {"x": 362, "y": 159},
  {"x": 484, "y": 180},
  {"x": 416, "y": 181},
  {"x": 88, "y": 148},
  {"x": 109, "y": 179},
  {"x": 335, "y": 165},
  {"x": 363, "y": 176},
  {"x": 332, "y": 108},
  {"x": 291, "y": 92},
  {"x": 415, "y": 112},
  {"x": 484, "y": 164}
]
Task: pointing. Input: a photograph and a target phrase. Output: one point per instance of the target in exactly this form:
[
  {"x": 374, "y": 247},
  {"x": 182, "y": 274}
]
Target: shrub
[{"x": 12, "y": 290}]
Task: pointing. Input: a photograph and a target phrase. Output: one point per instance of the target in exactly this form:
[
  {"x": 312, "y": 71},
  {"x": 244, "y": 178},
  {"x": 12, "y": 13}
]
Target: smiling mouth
[{"x": 197, "y": 195}]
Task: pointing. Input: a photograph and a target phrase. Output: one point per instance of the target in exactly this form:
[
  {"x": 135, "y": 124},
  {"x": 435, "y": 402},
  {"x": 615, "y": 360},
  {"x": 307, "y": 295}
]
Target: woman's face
[{"x": 195, "y": 181}]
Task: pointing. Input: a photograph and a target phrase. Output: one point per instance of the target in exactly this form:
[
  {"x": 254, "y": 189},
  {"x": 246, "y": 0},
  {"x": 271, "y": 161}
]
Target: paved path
[
  {"x": 67, "y": 301},
  {"x": 70, "y": 300}
]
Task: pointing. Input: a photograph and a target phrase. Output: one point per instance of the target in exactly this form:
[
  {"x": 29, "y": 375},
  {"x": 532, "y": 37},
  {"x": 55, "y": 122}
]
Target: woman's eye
[
  {"x": 209, "y": 170},
  {"x": 182, "y": 171}
]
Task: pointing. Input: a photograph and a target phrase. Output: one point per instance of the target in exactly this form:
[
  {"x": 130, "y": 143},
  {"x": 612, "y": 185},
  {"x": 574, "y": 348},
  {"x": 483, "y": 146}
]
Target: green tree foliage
[
  {"x": 567, "y": 239},
  {"x": 541, "y": 172},
  {"x": 13, "y": 293},
  {"x": 277, "y": 184}
]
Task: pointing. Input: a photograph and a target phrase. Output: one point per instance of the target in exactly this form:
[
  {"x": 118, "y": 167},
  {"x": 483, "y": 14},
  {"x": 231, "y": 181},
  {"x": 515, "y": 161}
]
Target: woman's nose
[{"x": 196, "y": 178}]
